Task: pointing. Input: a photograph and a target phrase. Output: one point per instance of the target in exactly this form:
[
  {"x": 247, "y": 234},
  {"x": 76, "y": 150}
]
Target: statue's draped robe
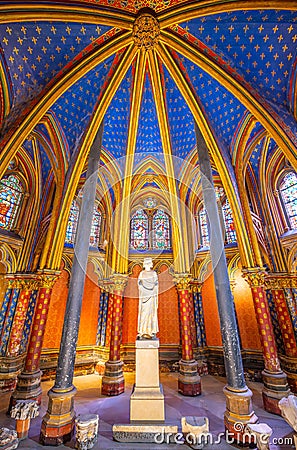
[{"x": 148, "y": 303}]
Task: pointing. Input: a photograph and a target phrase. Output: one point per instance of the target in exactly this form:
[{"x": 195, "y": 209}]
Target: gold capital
[
  {"x": 183, "y": 281},
  {"x": 255, "y": 276}
]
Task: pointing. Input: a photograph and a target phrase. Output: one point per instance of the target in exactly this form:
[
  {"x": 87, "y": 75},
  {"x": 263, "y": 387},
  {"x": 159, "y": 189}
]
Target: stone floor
[{"x": 116, "y": 410}]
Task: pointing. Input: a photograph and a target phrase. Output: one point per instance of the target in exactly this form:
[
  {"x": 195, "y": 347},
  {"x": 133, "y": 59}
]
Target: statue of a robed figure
[
  {"x": 147, "y": 327},
  {"x": 147, "y": 399}
]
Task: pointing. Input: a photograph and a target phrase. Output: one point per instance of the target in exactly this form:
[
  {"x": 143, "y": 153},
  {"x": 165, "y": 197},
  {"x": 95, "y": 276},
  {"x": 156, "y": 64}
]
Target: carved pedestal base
[
  {"x": 189, "y": 382},
  {"x": 23, "y": 411},
  {"x": 113, "y": 382},
  {"x": 86, "y": 426},
  {"x": 58, "y": 423},
  {"x": 8, "y": 439},
  {"x": 238, "y": 414},
  {"x": 275, "y": 388},
  {"x": 28, "y": 388}
]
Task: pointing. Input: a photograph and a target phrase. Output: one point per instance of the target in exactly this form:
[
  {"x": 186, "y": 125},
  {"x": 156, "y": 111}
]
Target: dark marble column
[
  {"x": 57, "y": 424},
  {"x": 238, "y": 396}
]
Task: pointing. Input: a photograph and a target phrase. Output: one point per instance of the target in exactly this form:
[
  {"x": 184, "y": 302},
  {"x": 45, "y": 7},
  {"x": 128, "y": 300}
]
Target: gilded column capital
[
  {"x": 118, "y": 282},
  {"x": 183, "y": 281},
  {"x": 47, "y": 279},
  {"x": 105, "y": 285},
  {"x": 255, "y": 276},
  {"x": 196, "y": 286}
]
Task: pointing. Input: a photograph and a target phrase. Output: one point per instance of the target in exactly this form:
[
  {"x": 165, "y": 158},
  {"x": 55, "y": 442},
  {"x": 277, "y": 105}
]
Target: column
[
  {"x": 199, "y": 316},
  {"x": 28, "y": 384},
  {"x": 238, "y": 396},
  {"x": 278, "y": 284},
  {"x": 275, "y": 381},
  {"x": 292, "y": 307},
  {"x": 9, "y": 367},
  {"x": 27, "y": 286},
  {"x": 189, "y": 382},
  {"x": 58, "y": 423},
  {"x": 283, "y": 315},
  {"x": 113, "y": 379}
]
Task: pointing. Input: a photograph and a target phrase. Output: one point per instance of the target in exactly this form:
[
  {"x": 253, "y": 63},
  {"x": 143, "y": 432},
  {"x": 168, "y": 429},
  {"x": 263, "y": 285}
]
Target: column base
[
  {"x": 292, "y": 381},
  {"x": 58, "y": 423},
  {"x": 113, "y": 382},
  {"x": 275, "y": 387},
  {"x": 189, "y": 382},
  {"x": 10, "y": 367},
  {"x": 28, "y": 388},
  {"x": 238, "y": 414}
]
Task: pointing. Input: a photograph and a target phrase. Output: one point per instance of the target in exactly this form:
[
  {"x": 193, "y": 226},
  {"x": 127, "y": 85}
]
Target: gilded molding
[
  {"x": 280, "y": 282},
  {"x": 146, "y": 31}
]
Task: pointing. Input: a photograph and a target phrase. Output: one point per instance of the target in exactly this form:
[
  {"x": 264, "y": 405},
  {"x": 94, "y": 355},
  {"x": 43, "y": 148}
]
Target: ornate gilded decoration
[
  {"x": 146, "y": 31},
  {"x": 255, "y": 276},
  {"x": 183, "y": 281},
  {"x": 118, "y": 282}
]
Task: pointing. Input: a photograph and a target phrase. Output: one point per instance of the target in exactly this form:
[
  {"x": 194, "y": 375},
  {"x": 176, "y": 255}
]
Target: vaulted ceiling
[{"x": 65, "y": 65}]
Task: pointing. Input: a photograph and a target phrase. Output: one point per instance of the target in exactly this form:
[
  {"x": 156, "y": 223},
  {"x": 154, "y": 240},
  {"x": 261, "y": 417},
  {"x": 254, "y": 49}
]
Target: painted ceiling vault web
[{"x": 219, "y": 67}]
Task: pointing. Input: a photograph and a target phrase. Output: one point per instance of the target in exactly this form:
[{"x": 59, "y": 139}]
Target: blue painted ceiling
[{"x": 259, "y": 45}]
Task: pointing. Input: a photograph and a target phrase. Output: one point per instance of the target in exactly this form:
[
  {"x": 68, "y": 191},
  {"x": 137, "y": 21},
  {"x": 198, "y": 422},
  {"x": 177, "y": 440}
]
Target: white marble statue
[{"x": 147, "y": 327}]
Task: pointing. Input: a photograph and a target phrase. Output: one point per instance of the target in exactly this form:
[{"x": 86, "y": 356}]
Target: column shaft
[
  {"x": 285, "y": 322},
  {"x": 113, "y": 382},
  {"x": 65, "y": 368},
  {"x": 57, "y": 424},
  {"x": 275, "y": 381},
  {"x": 231, "y": 345}
]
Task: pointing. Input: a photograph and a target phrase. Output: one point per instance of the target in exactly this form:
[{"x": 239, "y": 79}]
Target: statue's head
[{"x": 148, "y": 263}]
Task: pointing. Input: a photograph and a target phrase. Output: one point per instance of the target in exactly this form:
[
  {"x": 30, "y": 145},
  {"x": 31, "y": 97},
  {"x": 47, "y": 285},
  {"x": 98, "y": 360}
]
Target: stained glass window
[
  {"x": 72, "y": 223},
  {"x": 203, "y": 227},
  {"x": 288, "y": 190},
  {"x": 229, "y": 223},
  {"x": 161, "y": 231},
  {"x": 95, "y": 230},
  {"x": 11, "y": 193},
  {"x": 139, "y": 230}
]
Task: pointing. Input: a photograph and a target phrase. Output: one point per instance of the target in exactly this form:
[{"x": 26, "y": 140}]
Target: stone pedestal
[
  {"x": 189, "y": 382},
  {"x": 28, "y": 388},
  {"x": 238, "y": 414},
  {"x": 275, "y": 388},
  {"x": 58, "y": 423},
  {"x": 147, "y": 399}
]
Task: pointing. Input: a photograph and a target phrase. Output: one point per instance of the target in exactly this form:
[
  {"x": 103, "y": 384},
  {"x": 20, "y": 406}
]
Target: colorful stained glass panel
[
  {"x": 288, "y": 191},
  {"x": 229, "y": 223},
  {"x": 139, "y": 230},
  {"x": 96, "y": 228},
  {"x": 72, "y": 223},
  {"x": 203, "y": 228},
  {"x": 11, "y": 192},
  {"x": 161, "y": 231}
]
